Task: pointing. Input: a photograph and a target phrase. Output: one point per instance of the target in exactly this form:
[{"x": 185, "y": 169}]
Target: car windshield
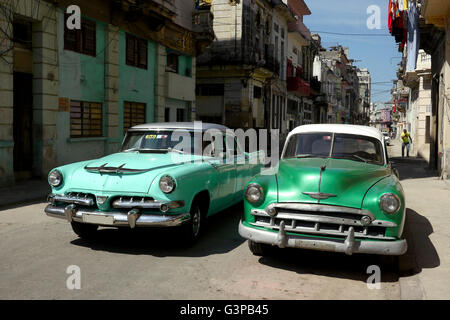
[
  {"x": 154, "y": 141},
  {"x": 344, "y": 146}
]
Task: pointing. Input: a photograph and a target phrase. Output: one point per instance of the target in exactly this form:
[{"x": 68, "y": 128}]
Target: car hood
[
  {"x": 125, "y": 172},
  {"x": 346, "y": 181}
]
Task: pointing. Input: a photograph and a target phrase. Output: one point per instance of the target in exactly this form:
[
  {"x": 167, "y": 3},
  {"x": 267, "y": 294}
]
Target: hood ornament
[
  {"x": 320, "y": 195},
  {"x": 120, "y": 169}
]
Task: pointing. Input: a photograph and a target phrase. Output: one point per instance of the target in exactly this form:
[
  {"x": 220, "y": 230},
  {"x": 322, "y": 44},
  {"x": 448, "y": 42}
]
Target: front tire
[
  {"x": 83, "y": 230},
  {"x": 259, "y": 249},
  {"x": 194, "y": 228}
]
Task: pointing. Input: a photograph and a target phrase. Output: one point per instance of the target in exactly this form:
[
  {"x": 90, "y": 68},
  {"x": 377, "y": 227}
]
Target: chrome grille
[
  {"x": 79, "y": 198},
  {"x": 322, "y": 220},
  {"x": 124, "y": 202}
]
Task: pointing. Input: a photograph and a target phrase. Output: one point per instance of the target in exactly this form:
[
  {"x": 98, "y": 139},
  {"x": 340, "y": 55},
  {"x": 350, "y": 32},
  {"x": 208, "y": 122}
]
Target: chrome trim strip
[
  {"x": 119, "y": 204},
  {"x": 323, "y": 218},
  {"x": 320, "y": 208},
  {"x": 349, "y": 245},
  {"x": 318, "y": 231},
  {"x": 319, "y": 195},
  {"x": 120, "y": 169},
  {"x": 121, "y": 218},
  {"x": 72, "y": 199}
]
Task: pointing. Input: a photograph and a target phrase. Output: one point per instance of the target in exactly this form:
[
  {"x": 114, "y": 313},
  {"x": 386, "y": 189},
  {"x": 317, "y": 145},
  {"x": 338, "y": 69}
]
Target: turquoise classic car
[
  {"x": 153, "y": 182},
  {"x": 334, "y": 190}
]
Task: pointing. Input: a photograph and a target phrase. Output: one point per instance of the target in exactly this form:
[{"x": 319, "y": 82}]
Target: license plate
[
  {"x": 98, "y": 219},
  {"x": 314, "y": 245}
]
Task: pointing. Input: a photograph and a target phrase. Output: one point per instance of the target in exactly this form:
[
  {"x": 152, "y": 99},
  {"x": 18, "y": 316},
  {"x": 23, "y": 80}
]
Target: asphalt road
[{"x": 36, "y": 250}]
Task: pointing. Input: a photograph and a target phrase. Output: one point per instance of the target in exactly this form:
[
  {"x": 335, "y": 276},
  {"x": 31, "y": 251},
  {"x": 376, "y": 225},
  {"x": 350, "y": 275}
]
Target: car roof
[
  {"x": 339, "y": 128},
  {"x": 197, "y": 125}
]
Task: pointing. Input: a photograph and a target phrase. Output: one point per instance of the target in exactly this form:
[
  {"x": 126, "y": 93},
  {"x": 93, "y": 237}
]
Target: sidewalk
[
  {"x": 425, "y": 268},
  {"x": 23, "y": 192}
]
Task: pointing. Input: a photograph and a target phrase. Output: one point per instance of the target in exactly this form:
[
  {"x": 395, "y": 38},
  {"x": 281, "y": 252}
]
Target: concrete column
[
  {"x": 6, "y": 105},
  {"x": 45, "y": 89},
  {"x": 112, "y": 89}
]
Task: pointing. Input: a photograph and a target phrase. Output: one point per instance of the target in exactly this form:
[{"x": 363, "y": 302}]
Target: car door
[
  {"x": 226, "y": 174},
  {"x": 243, "y": 172}
]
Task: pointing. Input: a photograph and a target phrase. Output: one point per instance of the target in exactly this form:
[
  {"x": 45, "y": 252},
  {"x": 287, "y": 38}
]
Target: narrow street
[
  {"x": 425, "y": 267},
  {"x": 153, "y": 264}
]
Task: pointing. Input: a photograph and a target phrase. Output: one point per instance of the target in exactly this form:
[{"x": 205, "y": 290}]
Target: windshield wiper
[
  {"x": 301, "y": 156},
  {"x": 354, "y": 156},
  {"x": 131, "y": 150},
  {"x": 148, "y": 150},
  {"x": 175, "y": 150}
]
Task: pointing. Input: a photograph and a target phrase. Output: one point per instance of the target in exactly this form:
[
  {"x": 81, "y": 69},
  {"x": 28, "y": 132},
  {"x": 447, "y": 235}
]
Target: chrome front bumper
[
  {"x": 348, "y": 245},
  {"x": 131, "y": 218}
]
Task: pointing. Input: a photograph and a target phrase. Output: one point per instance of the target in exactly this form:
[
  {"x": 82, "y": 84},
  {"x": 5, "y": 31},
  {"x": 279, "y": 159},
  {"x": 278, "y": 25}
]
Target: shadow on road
[
  {"x": 330, "y": 264},
  {"x": 221, "y": 236},
  {"x": 412, "y": 168},
  {"x": 421, "y": 251},
  {"x": 421, "y": 254}
]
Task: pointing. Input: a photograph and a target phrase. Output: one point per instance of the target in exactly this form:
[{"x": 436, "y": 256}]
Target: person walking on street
[{"x": 406, "y": 142}]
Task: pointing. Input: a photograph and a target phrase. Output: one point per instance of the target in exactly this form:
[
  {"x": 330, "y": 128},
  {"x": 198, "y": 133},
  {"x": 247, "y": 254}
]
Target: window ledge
[{"x": 90, "y": 139}]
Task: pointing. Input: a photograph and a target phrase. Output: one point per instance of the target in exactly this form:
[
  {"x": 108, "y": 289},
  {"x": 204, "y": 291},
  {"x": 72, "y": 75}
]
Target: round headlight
[
  {"x": 167, "y": 184},
  {"x": 390, "y": 203},
  {"x": 254, "y": 193},
  {"x": 55, "y": 178}
]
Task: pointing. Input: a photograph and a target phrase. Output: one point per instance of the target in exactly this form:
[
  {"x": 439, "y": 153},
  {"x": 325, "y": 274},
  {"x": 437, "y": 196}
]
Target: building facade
[
  {"x": 241, "y": 77},
  {"x": 365, "y": 87},
  {"x": 70, "y": 94},
  {"x": 434, "y": 30}
]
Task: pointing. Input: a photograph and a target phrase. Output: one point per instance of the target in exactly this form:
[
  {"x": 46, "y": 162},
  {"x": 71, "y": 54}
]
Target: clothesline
[{"x": 403, "y": 24}]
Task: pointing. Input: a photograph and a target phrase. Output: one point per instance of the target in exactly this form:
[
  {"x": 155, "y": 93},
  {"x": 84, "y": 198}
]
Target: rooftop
[
  {"x": 197, "y": 125},
  {"x": 339, "y": 128}
]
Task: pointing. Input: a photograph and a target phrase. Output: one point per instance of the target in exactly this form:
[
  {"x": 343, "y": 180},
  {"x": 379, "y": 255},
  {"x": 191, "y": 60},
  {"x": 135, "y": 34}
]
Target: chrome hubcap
[{"x": 196, "y": 222}]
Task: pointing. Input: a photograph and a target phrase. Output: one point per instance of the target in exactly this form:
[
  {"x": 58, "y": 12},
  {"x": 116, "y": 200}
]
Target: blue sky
[{"x": 379, "y": 54}]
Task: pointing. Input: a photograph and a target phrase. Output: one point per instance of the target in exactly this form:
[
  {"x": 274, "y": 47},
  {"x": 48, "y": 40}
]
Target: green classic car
[
  {"x": 334, "y": 190},
  {"x": 153, "y": 182}
]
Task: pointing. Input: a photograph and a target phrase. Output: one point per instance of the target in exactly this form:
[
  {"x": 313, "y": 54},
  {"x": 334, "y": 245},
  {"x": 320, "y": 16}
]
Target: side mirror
[{"x": 395, "y": 170}]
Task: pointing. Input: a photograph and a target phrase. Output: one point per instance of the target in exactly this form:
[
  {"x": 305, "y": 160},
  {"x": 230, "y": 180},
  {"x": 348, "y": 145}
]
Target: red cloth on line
[{"x": 390, "y": 19}]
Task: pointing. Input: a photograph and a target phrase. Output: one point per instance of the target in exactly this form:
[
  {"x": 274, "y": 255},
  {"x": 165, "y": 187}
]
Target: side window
[
  {"x": 239, "y": 150},
  {"x": 231, "y": 144}
]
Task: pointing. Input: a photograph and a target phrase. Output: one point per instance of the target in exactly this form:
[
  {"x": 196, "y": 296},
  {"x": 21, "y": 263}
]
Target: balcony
[
  {"x": 179, "y": 87},
  {"x": 299, "y": 27},
  {"x": 436, "y": 12},
  {"x": 298, "y": 86},
  {"x": 202, "y": 26}
]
